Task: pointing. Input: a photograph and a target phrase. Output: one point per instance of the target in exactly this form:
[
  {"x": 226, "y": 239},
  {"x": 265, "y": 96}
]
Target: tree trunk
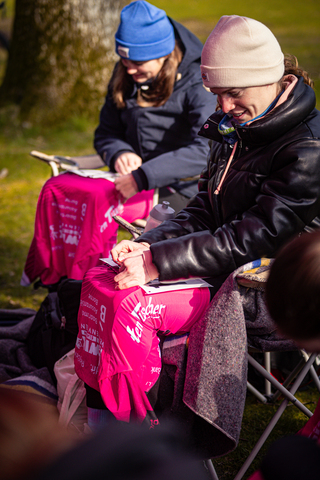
[{"x": 60, "y": 60}]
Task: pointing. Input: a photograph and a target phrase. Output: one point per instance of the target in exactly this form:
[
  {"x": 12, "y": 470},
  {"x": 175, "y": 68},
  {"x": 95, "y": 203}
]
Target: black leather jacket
[{"x": 270, "y": 194}]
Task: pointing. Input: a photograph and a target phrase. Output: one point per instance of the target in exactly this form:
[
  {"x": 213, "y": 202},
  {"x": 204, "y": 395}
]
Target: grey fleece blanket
[
  {"x": 16, "y": 368},
  {"x": 204, "y": 386}
]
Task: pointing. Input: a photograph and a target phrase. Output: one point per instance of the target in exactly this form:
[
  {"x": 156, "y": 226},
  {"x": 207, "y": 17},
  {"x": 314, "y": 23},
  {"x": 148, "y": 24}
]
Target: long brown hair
[{"x": 160, "y": 89}]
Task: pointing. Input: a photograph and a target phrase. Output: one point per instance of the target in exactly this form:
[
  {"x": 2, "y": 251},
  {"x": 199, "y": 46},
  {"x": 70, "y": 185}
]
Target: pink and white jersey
[
  {"x": 117, "y": 351},
  {"x": 74, "y": 226}
]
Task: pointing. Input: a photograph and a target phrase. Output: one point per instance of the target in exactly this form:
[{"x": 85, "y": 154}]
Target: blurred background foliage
[{"x": 296, "y": 24}]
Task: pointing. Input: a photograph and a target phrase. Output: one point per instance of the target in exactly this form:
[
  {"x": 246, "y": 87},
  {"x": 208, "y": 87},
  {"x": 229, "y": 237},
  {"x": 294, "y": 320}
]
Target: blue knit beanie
[{"x": 145, "y": 32}]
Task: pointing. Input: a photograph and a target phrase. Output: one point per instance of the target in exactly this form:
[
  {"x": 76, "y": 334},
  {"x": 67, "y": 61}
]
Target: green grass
[
  {"x": 297, "y": 26},
  {"x": 19, "y": 192}
]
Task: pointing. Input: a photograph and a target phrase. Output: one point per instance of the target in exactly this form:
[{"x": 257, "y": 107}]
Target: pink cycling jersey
[
  {"x": 117, "y": 350},
  {"x": 74, "y": 226}
]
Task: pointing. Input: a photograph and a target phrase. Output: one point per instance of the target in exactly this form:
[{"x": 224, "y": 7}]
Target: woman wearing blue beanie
[
  {"x": 154, "y": 107},
  {"x": 148, "y": 134}
]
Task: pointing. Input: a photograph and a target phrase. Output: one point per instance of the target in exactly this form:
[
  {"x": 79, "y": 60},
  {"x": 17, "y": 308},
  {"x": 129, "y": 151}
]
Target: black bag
[{"x": 54, "y": 330}]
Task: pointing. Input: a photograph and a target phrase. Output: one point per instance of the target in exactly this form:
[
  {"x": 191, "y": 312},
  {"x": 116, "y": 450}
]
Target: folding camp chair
[
  {"x": 304, "y": 366},
  {"x": 59, "y": 163},
  {"x": 287, "y": 389}
]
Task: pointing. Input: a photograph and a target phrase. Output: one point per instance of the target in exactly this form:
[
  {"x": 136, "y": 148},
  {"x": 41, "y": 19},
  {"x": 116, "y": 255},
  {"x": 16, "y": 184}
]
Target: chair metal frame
[
  {"x": 59, "y": 162},
  {"x": 297, "y": 375}
]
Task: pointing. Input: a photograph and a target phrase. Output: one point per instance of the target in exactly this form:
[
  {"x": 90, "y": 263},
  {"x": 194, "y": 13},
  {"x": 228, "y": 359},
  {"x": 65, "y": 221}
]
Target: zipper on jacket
[
  {"x": 221, "y": 163},
  {"x": 217, "y": 190}
]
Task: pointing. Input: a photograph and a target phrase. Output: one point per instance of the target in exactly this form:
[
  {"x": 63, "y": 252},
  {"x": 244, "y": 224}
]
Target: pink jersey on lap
[{"x": 117, "y": 350}]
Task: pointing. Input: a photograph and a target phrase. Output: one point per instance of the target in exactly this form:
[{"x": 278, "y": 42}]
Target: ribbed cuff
[{"x": 141, "y": 179}]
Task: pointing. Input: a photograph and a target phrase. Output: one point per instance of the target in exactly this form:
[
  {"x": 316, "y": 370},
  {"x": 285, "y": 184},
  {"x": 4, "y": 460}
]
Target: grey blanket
[
  {"x": 204, "y": 386},
  {"x": 14, "y": 359},
  {"x": 16, "y": 368}
]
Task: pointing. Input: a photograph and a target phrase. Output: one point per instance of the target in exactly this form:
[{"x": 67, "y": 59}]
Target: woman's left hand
[
  {"x": 126, "y": 186},
  {"x": 136, "y": 269},
  {"x": 123, "y": 248}
]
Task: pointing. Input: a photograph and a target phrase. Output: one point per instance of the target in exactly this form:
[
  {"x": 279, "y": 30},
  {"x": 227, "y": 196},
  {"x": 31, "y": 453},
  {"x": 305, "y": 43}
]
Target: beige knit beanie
[{"x": 241, "y": 52}]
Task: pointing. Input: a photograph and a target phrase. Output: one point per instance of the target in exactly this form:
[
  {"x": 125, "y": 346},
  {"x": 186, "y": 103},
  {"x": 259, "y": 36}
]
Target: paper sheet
[
  {"x": 155, "y": 286},
  {"x": 95, "y": 174}
]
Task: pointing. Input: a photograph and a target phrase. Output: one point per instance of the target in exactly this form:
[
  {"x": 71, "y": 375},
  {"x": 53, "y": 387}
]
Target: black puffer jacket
[{"x": 270, "y": 194}]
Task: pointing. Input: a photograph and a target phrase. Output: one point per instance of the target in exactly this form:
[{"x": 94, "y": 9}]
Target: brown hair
[
  {"x": 293, "y": 288},
  {"x": 30, "y": 435},
  {"x": 160, "y": 89},
  {"x": 291, "y": 66}
]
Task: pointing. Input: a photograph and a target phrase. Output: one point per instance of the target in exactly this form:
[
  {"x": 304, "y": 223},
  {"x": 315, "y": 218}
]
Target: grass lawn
[
  {"x": 297, "y": 26},
  {"x": 19, "y": 192}
]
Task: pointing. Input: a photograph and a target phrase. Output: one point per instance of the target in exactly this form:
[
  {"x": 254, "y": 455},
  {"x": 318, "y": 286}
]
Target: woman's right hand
[{"x": 127, "y": 162}]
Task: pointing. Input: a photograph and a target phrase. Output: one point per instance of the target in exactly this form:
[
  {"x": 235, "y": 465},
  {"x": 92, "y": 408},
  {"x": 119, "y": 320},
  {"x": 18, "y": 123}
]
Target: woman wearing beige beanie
[
  {"x": 262, "y": 183},
  {"x": 261, "y": 187}
]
